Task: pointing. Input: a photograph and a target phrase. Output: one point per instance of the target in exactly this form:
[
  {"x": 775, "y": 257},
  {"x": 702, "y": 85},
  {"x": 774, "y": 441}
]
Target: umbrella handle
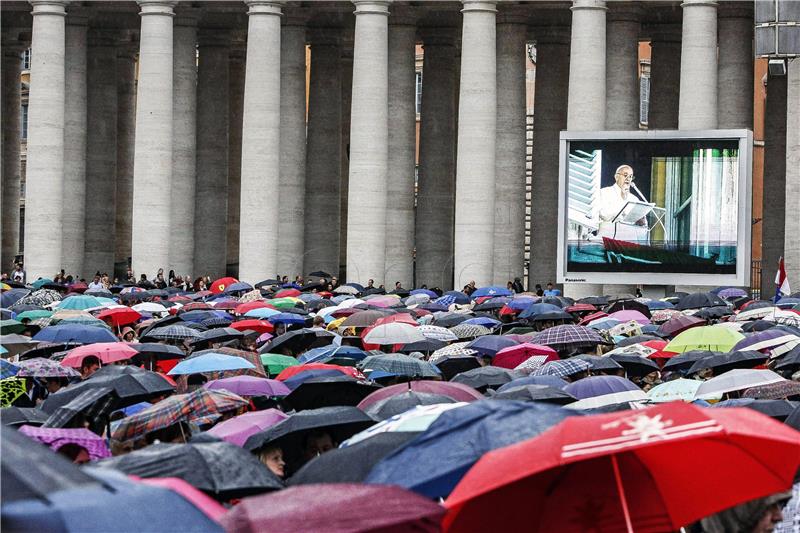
[{"x": 621, "y": 492}]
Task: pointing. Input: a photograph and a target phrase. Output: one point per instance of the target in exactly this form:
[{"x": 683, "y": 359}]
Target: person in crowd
[
  {"x": 272, "y": 457},
  {"x": 755, "y": 516},
  {"x": 89, "y": 366},
  {"x": 75, "y": 453},
  {"x": 18, "y": 274},
  {"x": 316, "y": 443},
  {"x": 96, "y": 284},
  {"x": 551, "y": 290},
  {"x": 53, "y": 385},
  {"x": 128, "y": 335},
  {"x": 517, "y": 286}
]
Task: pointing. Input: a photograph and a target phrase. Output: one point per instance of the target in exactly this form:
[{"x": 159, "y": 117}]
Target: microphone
[{"x": 639, "y": 193}]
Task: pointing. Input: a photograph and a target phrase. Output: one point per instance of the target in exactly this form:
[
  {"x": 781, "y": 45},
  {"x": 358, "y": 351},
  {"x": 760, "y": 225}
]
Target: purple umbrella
[
  {"x": 599, "y": 386},
  {"x": 249, "y": 386},
  {"x": 626, "y": 315},
  {"x": 238, "y": 429},
  {"x": 732, "y": 292},
  {"x": 58, "y": 437},
  {"x": 39, "y": 367},
  {"x": 767, "y": 339},
  {"x": 681, "y": 323}
]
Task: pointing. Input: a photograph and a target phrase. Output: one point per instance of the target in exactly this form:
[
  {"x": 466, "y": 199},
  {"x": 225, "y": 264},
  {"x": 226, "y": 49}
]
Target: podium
[{"x": 626, "y": 226}]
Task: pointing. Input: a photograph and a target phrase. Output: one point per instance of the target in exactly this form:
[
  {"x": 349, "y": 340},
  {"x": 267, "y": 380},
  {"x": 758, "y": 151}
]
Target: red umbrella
[
  {"x": 108, "y": 352},
  {"x": 676, "y": 325},
  {"x": 119, "y": 316},
  {"x": 513, "y": 356},
  {"x": 249, "y": 306},
  {"x": 405, "y": 318},
  {"x": 259, "y": 326},
  {"x": 656, "y": 469},
  {"x": 287, "y": 293},
  {"x": 292, "y": 371},
  {"x": 592, "y": 316},
  {"x": 659, "y": 356},
  {"x": 221, "y": 284},
  {"x": 579, "y": 308},
  {"x": 194, "y": 306},
  {"x": 347, "y": 311},
  {"x": 78, "y": 287}
]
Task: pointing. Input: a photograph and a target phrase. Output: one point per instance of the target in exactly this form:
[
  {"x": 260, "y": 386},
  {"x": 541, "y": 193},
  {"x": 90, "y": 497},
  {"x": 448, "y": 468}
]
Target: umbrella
[
  {"x": 616, "y": 401},
  {"x": 91, "y": 405},
  {"x": 456, "y": 391},
  {"x": 158, "y": 350},
  {"x": 12, "y": 389},
  {"x": 119, "y": 316},
  {"x": 351, "y": 463},
  {"x": 400, "y": 403},
  {"x": 55, "y": 438},
  {"x": 550, "y": 381},
  {"x": 514, "y": 355},
  {"x": 437, "y": 332},
  {"x": 684, "y": 361},
  {"x": 75, "y": 333},
  {"x": 789, "y": 361},
  {"x": 485, "y": 377},
  {"x": 259, "y": 326},
  {"x": 732, "y": 292},
  {"x": 567, "y": 336},
  {"x": 774, "y": 391},
  {"x": 434, "y": 462},
  {"x": 538, "y": 309},
  {"x": 769, "y": 339},
  {"x": 294, "y": 371},
  {"x": 535, "y": 393},
  {"x": 220, "y": 469},
  {"x": 704, "y": 338},
  {"x": 328, "y": 392},
  {"x": 171, "y": 333},
  {"x": 335, "y": 507},
  {"x": 469, "y": 331},
  {"x": 297, "y": 341},
  {"x": 393, "y": 333},
  {"x": 11, "y": 326},
  {"x": 600, "y": 363},
  {"x": 676, "y": 390},
  {"x": 210, "y": 362},
  {"x": 624, "y": 464},
  {"x": 563, "y": 368},
  {"x": 80, "y": 302},
  {"x": 17, "y": 416},
  {"x": 328, "y": 352},
  {"x": 489, "y": 345},
  {"x": 700, "y": 299},
  {"x": 777, "y": 409},
  {"x": 452, "y": 366},
  {"x": 238, "y": 429},
  {"x": 249, "y": 386},
  {"x": 39, "y": 367},
  {"x": 728, "y": 361},
  {"x": 737, "y": 379},
  {"x": 399, "y": 364},
  {"x": 8, "y": 369},
  {"x": 416, "y": 420},
  {"x": 593, "y": 386},
  {"x": 107, "y": 352},
  {"x": 276, "y": 363},
  {"x": 17, "y": 344},
  {"x": 709, "y": 313},
  {"x": 219, "y": 286},
  {"x": 635, "y": 365}
]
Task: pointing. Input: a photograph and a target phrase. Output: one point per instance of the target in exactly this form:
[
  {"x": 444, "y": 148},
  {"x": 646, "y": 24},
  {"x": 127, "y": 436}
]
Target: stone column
[
  {"x": 550, "y": 117},
  {"x": 344, "y": 181},
  {"x": 258, "y": 239},
  {"x": 236, "y": 101},
  {"x": 586, "y": 109},
  {"x": 776, "y": 157},
  {"x": 126, "y": 135},
  {"x": 184, "y": 145},
  {"x": 369, "y": 131},
  {"x": 622, "y": 67},
  {"x": 11, "y": 68},
  {"x": 211, "y": 195},
  {"x": 697, "y": 109},
  {"x": 45, "y": 159},
  {"x": 101, "y": 154},
  {"x": 75, "y": 153},
  {"x": 437, "y": 161},
  {"x": 323, "y": 159},
  {"x": 293, "y": 148},
  {"x": 665, "y": 77},
  {"x": 509, "y": 208},
  {"x": 402, "y": 151},
  {"x": 735, "y": 79},
  {"x": 152, "y": 165},
  {"x": 473, "y": 243},
  {"x": 792, "y": 194}
]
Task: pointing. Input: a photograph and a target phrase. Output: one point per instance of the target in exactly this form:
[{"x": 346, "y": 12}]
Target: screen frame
[{"x": 743, "y": 243}]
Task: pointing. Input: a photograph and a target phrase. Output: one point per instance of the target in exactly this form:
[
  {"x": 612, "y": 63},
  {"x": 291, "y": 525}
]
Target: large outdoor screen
[{"x": 655, "y": 207}]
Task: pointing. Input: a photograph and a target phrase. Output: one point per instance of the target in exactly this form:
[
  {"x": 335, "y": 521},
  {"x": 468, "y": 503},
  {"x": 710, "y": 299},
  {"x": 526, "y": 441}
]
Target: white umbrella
[
  {"x": 736, "y": 379},
  {"x": 437, "y": 332},
  {"x": 149, "y": 307},
  {"x": 352, "y": 302},
  {"x": 394, "y": 333},
  {"x": 754, "y": 314},
  {"x": 608, "y": 399},
  {"x": 679, "y": 389},
  {"x": 456, "y": 349}
]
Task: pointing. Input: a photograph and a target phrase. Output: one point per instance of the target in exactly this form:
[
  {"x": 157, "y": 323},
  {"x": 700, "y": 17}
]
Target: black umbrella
[
  {"x": 631, "y": 305},
  {"x": 598, "y": 301},
  {"x": 723, "y": 362},
  {"x": 552, "y": 315},
  {"x": 536, "y": 393},
  {"x": 217, "y": 335},
  {"x": 159, "y": 351},
  {"x": 635, "y": 365},
  {"x": 132, "y": 385},
  {"x": 636, "y": 339},
  {"x": 315, "y": 305},
  {"x": 685, "y": 360},
  {"x": 91, "y": 405},
  {"x": 426, "y": 346},
  {"x": 494, "y": 303},
  {"x": 328, "y": 392},
  {"x": 713, "y": 312},
  {"x": 757, "y": 325},
  {"x": 351, "y": 464},
  {"x": 29, "y": 470},
  {"x": 312, "y": 285},
  {"x": 46, "y": 349},
  {"x": 320, "y": 274},
  {"x": 297, "y": 341},
  {"x": 777, "y": 409},
  {"x": 452, "y": 366},
  {"x": 790, "y": 360},
  {"x": 700, "y": 299},
  {"x": 449, "y": 320},
  {"x": 486, "y": 377},
  {"x": 400, "y": 403},
  {"x": 18, "y": 416},
  {"x": 160, "y": 323},
  {"x": 600, "y": 363},
  {"x": 220, "y": 469},
  {"x": 267, "y": 283}
]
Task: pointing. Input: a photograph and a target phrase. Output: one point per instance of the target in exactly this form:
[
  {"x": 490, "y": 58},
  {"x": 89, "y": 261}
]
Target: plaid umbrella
[
  {"x": 172, "y": 333},
  {"x": 39, "y": 367},
  {"x": 563, "y": 368},
  {"x": 7, "y": 369},
  {"x": 41, "y": 297},
  {"x": 55, "y": 438},
  {"x": 531, "y": 364},
  {"x": 567, "y": 336},
  {"x": 469, "y": 331},
  {"x": 437, "y": 332},
  {"x": 454, "y": 350},
  {"x": 11, "y": 389},
  {"x": 773, "y": 391},
  {"x": 93, "y": 404},
  {"x": 400, "y": 364}
]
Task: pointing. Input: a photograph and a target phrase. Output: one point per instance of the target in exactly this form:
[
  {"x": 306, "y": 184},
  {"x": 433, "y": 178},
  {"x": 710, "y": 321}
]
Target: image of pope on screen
[{"x": 652, "y": 206}]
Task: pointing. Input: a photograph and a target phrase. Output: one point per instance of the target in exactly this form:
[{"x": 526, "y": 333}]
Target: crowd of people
[{"x": 256, "y": 406}]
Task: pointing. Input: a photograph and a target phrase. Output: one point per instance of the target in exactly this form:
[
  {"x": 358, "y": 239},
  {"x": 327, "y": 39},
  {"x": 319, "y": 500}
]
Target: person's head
[
  {"x": 317, "y": 443},
  {"x": 143, "y": 277},
  {"x": 73, "y": 452},
  {"x": 397, "y": 285},
  {"x": 96, "y": 278},
  {"x": 53, "y": 385},
  {"x": 624, "y": 177},
  {"x": 319, "y": 322},
  {"x": 272, "y": 457},
  {"x": 128, "y": 335},
  {"x": 89, "y": 365},
  {"x": 370, "y": 283},
  {"x": 549, "y": 286}
]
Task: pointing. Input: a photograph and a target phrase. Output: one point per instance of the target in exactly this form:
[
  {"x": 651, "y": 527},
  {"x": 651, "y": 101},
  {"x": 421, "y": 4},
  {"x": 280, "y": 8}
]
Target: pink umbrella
[
  {"x": 383, "y": 301},
  {"x": 457, "y": 391},
  {"x": 205, "y": 504},
  {"x": 239, "y": 428},
  {"x": 108, "y": 352},
  {"x": 513, "y": 356},
  {"x": 249, "y": 386},
  {"x": 55, "y": 438},
  {"x": 626, "y": 315}
]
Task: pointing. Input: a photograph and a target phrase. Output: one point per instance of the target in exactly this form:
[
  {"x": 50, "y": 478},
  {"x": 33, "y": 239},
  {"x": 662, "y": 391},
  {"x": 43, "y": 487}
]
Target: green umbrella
[
  {"x": 716, "y": 338},
  {"x": 41, "y": 281},
  {"x": 275, "y": 363},
  {"x": 282, "y": 303},
  {"x": 33, "y": 314},
  {"x": 11, "y": 326}
]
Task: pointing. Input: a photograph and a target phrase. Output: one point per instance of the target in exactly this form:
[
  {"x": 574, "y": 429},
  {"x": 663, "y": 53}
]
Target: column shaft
[
  {"x": 792, "y": 194},
  {"x": 622, "y": 69},
  {"x": 366, "y": 216},
  {"x": 437, "y": 163},
  {"x": 126, "y": 134},
  {"x": 258, "y": 238},
  {"x": 665, "y": 78},
  {"x": 11, "y": 67},
  {"x": 509, "y": 209},
  {"x": 586, "y": 109},
  {"x": 293, "y": 150},
  {"x": 101, "y": 157},
  {"x": 402, "y": 152},
  {"x": 152, "y": 165},
  {"x": 735, "y": 83},
  {"x": 211, "y": 196},
  {"x": 473, "y": 243},
  {"x": 184, "y": 148},
  {"x": 45, "y": 158},
  {"x": 236, "y": 101},
  {"x": 697, "y": 109},
  {"x": 773, "y": 225},
  {"x": 344, "y": 179}
]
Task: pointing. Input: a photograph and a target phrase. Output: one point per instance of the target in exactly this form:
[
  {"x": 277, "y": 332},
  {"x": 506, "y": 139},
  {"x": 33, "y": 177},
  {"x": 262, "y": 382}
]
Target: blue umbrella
[
  {"x": 550, "y": 381},
  {"x": 491, "y": 291},
  {"x": 425, "y": 291},
  {"x": 434, "y": 462},
  {"x": 237, "y": 287},
  {"x": 658, "y": 304},
  {"x": 482, "y": 321},
  {"x": 9, "y": 298},
  {"x": 262, "y": 312},
  {"x": 198, "y": 315},
  {"x": 211, "y": 362},
  {"x": 301, "y": 377},
  {"x": 79, "y": 302},
  {"x": 460, "y": 297},
  {"x": 323, "y": 353},
  {"x": 7, "y": 369},
  {"x": 538, "y": 309},
  {"x": 520, "y": 303},
  {"x": 75, "y": 333},
  {"x": 286, "y": 318},
  {"x": 599, "y": 386},
  {"x": 489, "y": 345}
]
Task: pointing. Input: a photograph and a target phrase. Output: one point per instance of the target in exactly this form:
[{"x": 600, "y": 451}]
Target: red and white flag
[{"x": 781, "y": 282}]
